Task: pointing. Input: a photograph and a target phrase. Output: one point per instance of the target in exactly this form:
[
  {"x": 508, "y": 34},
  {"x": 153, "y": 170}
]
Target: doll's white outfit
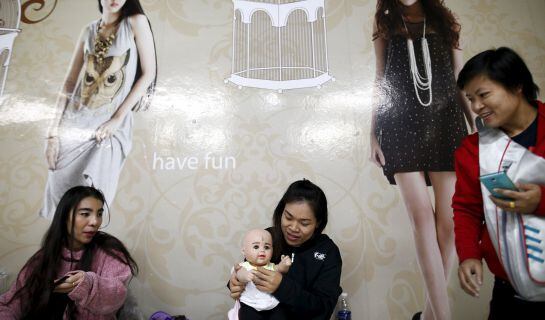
[{"x": 254, "y": 298}]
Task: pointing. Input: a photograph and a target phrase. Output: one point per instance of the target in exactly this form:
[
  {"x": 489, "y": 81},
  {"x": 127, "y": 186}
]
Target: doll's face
[{"x": 257, "y": 247}]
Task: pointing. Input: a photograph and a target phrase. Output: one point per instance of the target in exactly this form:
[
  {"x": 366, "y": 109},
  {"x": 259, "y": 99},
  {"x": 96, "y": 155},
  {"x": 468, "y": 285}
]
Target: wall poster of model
[
  {"x": 209, "y": 161},
  {"x": 417, "y": 124},
  {"x": 112, "y": 73}
]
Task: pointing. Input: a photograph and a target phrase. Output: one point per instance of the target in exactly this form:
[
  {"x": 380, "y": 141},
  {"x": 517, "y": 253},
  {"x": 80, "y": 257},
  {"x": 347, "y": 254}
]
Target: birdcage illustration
[
  {"x": 10, "y": 16},
  {"x": 279, "y": 44}
]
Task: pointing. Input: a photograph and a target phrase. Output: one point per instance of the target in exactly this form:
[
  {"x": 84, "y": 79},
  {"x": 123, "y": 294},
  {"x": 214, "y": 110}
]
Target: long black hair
[
  {"x": 131, "y": 8},
  {"x": 299, "y": 191},
  {"x": 504, "y": 66},
  {"x": 36, "y": 295},
  {"x": 438, "y": 16}
]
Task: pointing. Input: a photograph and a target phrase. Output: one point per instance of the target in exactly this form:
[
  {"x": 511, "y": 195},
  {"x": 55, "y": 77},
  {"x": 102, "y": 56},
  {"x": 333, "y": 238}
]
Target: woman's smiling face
[
  {"x": 298, "y": 223},
  {"x": 492, "y": 102}
]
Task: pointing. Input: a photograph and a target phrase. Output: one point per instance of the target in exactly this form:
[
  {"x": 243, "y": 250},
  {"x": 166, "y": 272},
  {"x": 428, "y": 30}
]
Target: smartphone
[
  {"x": 498, "y": 180},
  {"x": 61, "y": 280}
]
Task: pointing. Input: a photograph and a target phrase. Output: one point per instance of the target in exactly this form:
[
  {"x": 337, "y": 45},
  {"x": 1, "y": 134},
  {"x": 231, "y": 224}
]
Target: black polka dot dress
[{"x": 415, "y": 137}]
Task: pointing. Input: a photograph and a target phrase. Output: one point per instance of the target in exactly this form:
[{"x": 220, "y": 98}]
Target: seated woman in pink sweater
[{"x": 78, "y": 273}]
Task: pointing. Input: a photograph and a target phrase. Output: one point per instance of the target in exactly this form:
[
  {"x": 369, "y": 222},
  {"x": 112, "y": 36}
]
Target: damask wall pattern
[
  {"x": 184, "y": 224},
  {"x": 34, "y": 11}
]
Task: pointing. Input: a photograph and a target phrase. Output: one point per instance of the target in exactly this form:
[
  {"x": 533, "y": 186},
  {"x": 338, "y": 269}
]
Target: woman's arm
[
  {"x": 13, "y": 310},
  {"x": 468, "y": 215},
  {"x": 103, "y": 293},
  {"x": 379, "y": 44},
  {"x": 52, "y": 148},
  {"x": 146, "y": 54},
  {"x": 457, "y": 65},
  {"x": 467, "y": 202},
  {"x": 70, "y": 80}
]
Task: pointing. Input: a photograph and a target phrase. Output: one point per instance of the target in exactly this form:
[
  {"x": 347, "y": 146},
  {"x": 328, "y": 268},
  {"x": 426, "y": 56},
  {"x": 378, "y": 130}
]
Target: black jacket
[{"x": 311, "y": 287}]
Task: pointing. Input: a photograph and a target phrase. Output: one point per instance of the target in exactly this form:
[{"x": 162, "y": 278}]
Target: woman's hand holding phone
[
  {"x": 497, "y": 181},
  {"x": 68, "y": 282},
  {"x": 525, "y": 200},
  {"x": 59, "y": 281}
]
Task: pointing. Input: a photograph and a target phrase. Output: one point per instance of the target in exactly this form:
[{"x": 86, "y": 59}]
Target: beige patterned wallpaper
[{"x": 184, "y": 225}]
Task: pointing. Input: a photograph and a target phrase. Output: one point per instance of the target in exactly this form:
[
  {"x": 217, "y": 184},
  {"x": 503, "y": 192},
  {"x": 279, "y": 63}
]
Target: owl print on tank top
[{"x": 102, "y": 81}]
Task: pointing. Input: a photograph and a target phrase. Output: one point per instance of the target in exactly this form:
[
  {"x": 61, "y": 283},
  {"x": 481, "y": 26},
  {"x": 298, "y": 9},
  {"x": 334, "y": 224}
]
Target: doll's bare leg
[{"x": 418, "y": 204}]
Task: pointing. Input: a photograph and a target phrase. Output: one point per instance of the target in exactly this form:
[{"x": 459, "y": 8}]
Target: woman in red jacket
[{"x": 503, "y": 94}]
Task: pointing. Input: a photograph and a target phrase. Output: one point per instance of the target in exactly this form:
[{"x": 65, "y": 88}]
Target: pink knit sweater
[{"x": 99, "y": 296}]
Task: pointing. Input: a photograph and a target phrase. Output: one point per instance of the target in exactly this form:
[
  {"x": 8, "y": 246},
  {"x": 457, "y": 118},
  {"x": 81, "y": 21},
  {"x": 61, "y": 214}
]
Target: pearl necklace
[{"x": 420, "y": 82}]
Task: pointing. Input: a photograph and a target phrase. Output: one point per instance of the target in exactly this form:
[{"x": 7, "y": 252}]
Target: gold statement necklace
[{"x": 103, "y": 44}]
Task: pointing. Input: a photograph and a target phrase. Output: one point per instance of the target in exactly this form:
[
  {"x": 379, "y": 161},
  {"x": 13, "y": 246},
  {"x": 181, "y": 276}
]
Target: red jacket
[{"x": 471, "y": 235}]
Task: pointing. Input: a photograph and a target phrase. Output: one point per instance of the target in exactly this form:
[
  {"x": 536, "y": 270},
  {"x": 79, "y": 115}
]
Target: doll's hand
[
  {"x": 250, "y": 276},
  {"x": 244, "y": 275},
  {"x": 107, "y": 129},
  {"x": 52, "y": 152},
  {"x": 236, "y": 287},
  {"x": 377, "y": 157},
  {"x": 470, "y": 274},
  {"x": 284, "y": 265},
  {"x": 286, "y": 260},
  {"x": 525, "y": 200}
]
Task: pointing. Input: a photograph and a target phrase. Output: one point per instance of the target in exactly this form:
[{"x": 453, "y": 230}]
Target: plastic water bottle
[{"x": 344, "y": 312}]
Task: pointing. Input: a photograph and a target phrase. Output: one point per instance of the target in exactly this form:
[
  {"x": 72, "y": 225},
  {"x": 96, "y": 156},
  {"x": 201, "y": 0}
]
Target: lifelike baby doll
[{"x": 257, "y": 249}]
